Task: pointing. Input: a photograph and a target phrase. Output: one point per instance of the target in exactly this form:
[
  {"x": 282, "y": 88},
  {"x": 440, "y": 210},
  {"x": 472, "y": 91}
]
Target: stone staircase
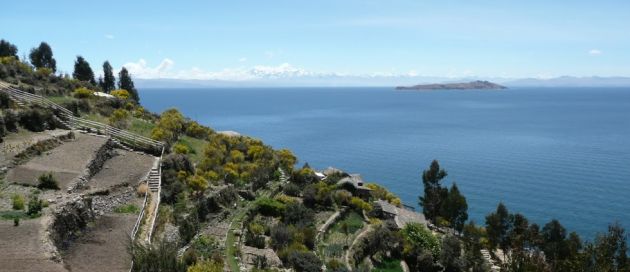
[{"x": 154, "y": 180}]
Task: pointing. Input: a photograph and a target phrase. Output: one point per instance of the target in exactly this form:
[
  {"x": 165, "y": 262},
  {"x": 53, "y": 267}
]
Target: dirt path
[{"x": 364, "y": 231}]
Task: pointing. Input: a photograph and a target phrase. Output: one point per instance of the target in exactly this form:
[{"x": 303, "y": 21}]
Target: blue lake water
[{"x": 545, "y": 152}]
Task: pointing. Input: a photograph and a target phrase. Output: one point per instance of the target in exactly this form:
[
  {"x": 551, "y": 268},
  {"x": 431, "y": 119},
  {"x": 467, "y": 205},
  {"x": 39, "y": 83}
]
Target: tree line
[
  {"x": 524, "y": 246},
  {"x": 41, "y": 57}
]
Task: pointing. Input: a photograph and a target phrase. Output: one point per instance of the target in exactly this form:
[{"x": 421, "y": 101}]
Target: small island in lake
[{"x": 473, "y": 85}]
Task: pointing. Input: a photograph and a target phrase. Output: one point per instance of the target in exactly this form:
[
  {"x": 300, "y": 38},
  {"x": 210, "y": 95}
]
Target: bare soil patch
[
  {"x": 23, "y": 249},
  {"x": 125, "y": 168},
  {"x": 65, "y": 162},
  {"x": 103, "y": 247}
]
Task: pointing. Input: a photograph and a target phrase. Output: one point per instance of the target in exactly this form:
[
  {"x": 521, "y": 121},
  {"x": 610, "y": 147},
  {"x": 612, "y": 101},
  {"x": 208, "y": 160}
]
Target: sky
[{"x": 241, "y": 40}]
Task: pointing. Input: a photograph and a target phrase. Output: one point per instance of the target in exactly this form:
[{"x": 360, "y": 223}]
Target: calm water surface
[{"x": 547, "y": 153}]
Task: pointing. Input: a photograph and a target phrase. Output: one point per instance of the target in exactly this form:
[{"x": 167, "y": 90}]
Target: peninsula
[{"x": 473, "y": 85}]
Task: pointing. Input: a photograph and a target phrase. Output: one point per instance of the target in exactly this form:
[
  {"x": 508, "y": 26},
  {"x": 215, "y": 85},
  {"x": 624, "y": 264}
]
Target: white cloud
[
  {"x": 109, "y": 36},
  {"x": 140, "y": 69},
  {"x": 243, "y": 59},
  {"x": 595, "y": 52}
]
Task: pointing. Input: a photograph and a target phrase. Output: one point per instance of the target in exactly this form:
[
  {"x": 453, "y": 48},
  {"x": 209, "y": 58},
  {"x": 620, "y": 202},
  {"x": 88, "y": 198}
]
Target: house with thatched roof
[{"x": 355, "y": 184}]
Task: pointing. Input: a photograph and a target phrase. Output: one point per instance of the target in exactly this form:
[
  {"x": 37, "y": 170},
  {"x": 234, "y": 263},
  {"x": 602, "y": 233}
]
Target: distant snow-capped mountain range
[{"x": 304, "y": 79}]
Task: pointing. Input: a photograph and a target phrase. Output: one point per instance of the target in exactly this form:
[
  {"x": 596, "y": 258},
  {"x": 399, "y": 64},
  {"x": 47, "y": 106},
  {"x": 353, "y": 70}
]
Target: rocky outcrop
[
  {"x": 103, "y": 154},
  {"x": 70, "y": 220}
]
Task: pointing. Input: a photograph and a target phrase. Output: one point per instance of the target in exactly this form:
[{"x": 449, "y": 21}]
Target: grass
[
  {"x": 194, "y": 145},
  {"x": 10, "y": 215},
  {"x": 388, "y": 265},
  {"x": 61, "y": 99},
  {"x": 353, "y": 220},
  {"x": 129, "y": 208},
  {"x": 140, "y": 126},
  {"x": 336, "y": 242}
]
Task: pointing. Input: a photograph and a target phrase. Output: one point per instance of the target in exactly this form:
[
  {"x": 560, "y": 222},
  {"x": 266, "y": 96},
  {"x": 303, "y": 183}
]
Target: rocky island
[{"x": 473, "y": 85}]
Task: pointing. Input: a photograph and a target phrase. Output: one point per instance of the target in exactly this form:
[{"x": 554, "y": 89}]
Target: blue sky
[{"x": 240, "y": 39}]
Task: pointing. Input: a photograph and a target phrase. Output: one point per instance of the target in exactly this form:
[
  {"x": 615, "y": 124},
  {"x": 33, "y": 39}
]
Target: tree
[
  {"x": 42, "y": 57},
  {"x": 433, "y": 191},
  {"x": 109, "y": 81},
  {"x": 7, "y": 49},
  {"x": 555, "y": 246},
  {"x": 498, "y": 227},
  {"x": 83, "y": 71},
  {"x": 126, "y": 83},
  {"x": 450, "y": 255},
  {"x": 455, "y": 208},
  {"x": 609, "y": 251}
]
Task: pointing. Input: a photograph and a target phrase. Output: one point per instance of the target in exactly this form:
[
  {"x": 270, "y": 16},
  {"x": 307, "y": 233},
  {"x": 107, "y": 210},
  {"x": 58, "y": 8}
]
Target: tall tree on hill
[
  {"x": 126, "y": 83},
  {"x": 455, "y": 209},
  {"x": 83, "y": 71},
  {"x": 434, "y": 193},
  {"x": 42, "y": 57},
  {"x": 109, "y": 81},
  {"x": 7, "y": 49},
  {"x": 498, "y": 226}
]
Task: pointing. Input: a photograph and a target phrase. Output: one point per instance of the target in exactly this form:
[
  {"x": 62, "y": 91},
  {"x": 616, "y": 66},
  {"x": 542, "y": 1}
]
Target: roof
[
  {"x": 386, "y": 206},
  {"x": 355, "y": 180},
  {"x": 402, "y": 216},
  {"x": 407, "y": 216}
]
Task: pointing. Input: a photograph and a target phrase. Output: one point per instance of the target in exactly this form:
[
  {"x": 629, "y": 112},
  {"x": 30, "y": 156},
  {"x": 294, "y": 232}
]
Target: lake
[{"x": 545, "y": 152}]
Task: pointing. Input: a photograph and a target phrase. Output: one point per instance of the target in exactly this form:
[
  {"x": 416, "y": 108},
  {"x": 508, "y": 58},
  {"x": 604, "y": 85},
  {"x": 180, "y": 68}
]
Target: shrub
[
  {"x": 299, "y": 215},
  {"x": 36, "y": 120},
  {"x": 35, "y": 206},
  {"x": 121, "y": 94},
  {"x": 180, "y": 149},
  {"x": 83, "y": 92},
  {"x": 305, "y": 261},
  {"x": 129, "y": 208},
  {"x": 16, "y": 222},
  {"x": 5, "y": 100},
  {"x": 197, "y": 183},
  {"x": 47, "y": 181},
  {"x": 418, "y": 237},
  {"x": 142, "y": 189},
  {"x": 157, "y": 256},
  {"x": 206, "y": 266},
  {"x": 198, "y": 131},
  {"x": 269, "y": 207},
  {"x": 292, "y": 189},
  {"x": 360, "y": 204},
  {"x": 119, "y": 118},
  {"x": 18, "y": 202}
]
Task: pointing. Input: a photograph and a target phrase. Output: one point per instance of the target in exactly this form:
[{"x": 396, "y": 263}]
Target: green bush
[
  {"x": 269, "y": 207},
  {"x": 305, "y": 261},
  {"x": 35, "y": 206},
  {"x": 47, "y": 181},
  {"x": 18, "y": 202},
  {"x": 37, "y": 120},
  {"x": 129, "y": 208}
]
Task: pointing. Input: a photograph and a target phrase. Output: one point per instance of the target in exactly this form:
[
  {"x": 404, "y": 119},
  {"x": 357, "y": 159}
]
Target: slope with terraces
[{"x": 97, "y": 166}]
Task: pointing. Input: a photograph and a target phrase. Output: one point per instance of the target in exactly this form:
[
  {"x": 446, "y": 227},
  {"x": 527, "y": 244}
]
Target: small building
[
  {"x": 355, "y": 184},
  {"x": 397, "y": 217}
]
